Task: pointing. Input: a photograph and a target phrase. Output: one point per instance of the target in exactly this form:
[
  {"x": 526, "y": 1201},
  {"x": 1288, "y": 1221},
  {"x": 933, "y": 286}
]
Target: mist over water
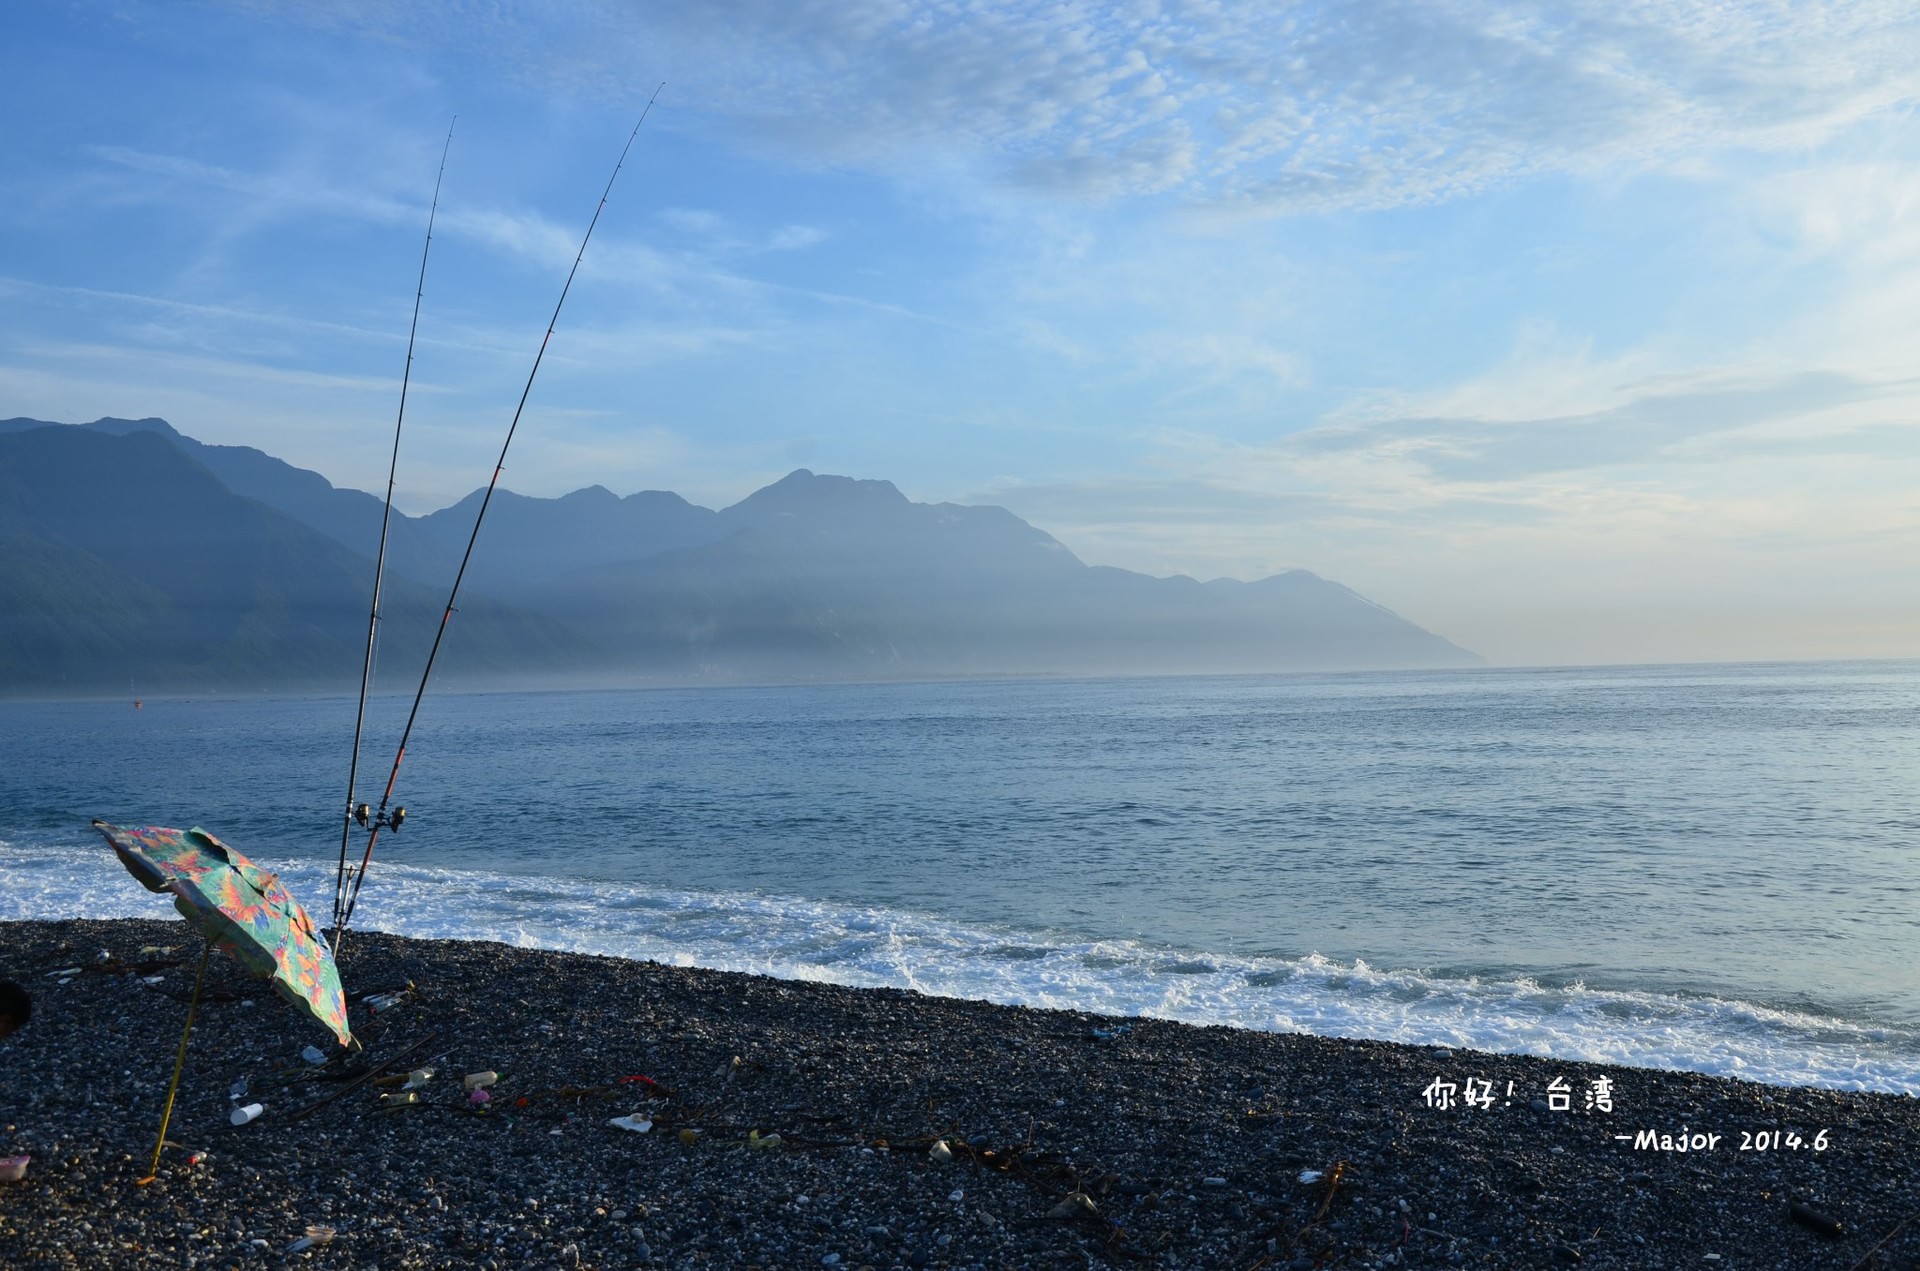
[{"x": 1698, "y": 867}]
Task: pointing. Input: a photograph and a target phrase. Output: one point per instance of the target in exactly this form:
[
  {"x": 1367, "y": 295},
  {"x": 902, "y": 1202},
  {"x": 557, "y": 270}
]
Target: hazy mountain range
[{"x": 134, "y": 557}]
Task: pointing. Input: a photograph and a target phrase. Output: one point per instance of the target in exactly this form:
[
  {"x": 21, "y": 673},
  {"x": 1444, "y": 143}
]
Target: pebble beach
[{"x": 775, "y": 1123}]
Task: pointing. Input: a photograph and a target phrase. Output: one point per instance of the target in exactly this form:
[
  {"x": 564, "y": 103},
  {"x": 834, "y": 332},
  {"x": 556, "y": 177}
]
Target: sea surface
[{"x": 1707, "y": 868}]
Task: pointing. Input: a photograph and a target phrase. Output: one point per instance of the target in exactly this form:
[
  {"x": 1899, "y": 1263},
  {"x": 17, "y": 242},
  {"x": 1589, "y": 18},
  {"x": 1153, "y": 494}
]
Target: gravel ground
[{"x": 1155, "y": 1145}]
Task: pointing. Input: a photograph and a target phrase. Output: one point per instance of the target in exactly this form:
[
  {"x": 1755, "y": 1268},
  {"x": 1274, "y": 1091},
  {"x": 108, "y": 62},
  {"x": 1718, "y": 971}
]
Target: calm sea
[{"x": 1711, "y": 868}]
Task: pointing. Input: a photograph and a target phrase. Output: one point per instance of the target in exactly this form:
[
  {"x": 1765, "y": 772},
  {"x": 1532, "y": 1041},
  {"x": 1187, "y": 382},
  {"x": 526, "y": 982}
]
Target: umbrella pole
[{"x": 179, "y": 1063}]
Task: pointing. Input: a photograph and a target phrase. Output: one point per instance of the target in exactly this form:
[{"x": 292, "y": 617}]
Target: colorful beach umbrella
[{"x": 243, "y": 909}]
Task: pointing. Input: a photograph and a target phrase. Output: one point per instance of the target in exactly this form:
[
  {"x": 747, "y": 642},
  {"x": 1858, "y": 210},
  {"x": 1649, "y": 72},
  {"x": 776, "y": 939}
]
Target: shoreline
[
  {"x": 1713, "y": 1031},
  {"x": 1188, "y": 1143}
]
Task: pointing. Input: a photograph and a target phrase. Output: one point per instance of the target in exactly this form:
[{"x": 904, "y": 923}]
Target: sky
[{"x": 1577, "y": 332}]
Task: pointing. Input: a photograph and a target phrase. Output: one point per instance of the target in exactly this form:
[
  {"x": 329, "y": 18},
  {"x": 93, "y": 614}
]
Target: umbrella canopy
[{"x": 242, "y": 908}]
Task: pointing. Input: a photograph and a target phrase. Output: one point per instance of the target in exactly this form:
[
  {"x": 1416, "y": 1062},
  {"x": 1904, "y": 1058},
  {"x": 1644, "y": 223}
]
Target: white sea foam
[{"x": 869, "y": 946}]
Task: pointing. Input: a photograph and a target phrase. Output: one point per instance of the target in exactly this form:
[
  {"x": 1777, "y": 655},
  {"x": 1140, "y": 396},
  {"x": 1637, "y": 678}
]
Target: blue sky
[{"x": 1582, "y": 332}]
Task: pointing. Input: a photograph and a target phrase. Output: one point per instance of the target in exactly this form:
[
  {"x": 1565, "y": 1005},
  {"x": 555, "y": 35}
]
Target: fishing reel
[{"x": 364, "y": 817}]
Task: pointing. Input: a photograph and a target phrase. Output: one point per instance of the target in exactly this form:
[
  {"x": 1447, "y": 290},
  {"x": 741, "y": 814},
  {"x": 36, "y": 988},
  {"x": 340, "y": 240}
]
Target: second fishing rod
[{"x": 375, "y": 820}]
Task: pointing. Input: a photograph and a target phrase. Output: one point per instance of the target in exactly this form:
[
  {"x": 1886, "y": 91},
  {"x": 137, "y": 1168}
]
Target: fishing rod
[
  {"x": 380, "y": 558},
  {"x": 382, "y": 819}
]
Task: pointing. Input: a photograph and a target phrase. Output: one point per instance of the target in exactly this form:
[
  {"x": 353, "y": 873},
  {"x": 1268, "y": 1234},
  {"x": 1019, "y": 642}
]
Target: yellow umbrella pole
[{"x": 179, "y": 1063}]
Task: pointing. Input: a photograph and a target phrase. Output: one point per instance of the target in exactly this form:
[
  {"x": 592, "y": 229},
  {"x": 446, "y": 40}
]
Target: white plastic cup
[
  {"x": 479, "y": 1080},
  {"x": 242, "y": 1115}
]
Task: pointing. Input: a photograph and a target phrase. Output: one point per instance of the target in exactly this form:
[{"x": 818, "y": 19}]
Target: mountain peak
[
  {"x": 121, "y": 427},
  {"x": 803, "y": 490}
]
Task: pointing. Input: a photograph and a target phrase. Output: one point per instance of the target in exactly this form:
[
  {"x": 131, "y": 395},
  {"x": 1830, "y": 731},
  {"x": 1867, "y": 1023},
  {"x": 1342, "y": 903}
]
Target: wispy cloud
[
  {"x": 1260, "y": 107},
  {"x": 1658, "y": 423}
]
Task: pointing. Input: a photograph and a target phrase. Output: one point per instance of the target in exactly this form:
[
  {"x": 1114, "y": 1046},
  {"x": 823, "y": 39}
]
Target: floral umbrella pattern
[{"x": 243, "y": 909}]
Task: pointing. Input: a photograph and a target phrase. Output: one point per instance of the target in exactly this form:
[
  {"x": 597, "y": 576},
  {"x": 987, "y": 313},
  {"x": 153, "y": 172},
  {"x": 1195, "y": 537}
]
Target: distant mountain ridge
[
  {"x": 125, "y": 563},
  {"x": 255, "y": 571}
]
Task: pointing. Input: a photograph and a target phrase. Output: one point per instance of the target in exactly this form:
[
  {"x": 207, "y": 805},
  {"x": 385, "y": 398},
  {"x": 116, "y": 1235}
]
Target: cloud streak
[{"x": 1257, "y": 108}]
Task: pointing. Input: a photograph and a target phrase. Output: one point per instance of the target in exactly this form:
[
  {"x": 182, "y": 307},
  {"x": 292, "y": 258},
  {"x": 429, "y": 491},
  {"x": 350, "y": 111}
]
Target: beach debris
[
  {"x": 14, "y": 1168},
  {"x": 957, "y": 1195},
  {"x": 761, "y": 1142},
  {"x": 367, "y": 1075},
  {"x": 940, "y": 1152},
  {"x": 245, "y": 1113},
  {"x": 314, "y": 1236},
  {"x": 1110, "y": 1034},
  {"x": 688, "y": 1137},
  {"x": 478, "y": 1097},
  {"x": 156, "y": 951},
  {"x": 418, "y": 1078},
  {"x": 385, "y": 999},
  {"x": 1311, "y": 1176},
  {"x": 238, "y": 1088},
  {"x": 479, "y": 1080},
  {"x": 1813, "y": 1220},
  {"x": 400, "y": 1099},
  {"x": 314, "y": 1055},
  {"x": 1333, "y": 1185},
  {"x": 1213, "y": 1180},
  {"x": 635, "y": 1122},
  {"x": 1076, "y": 1205}
]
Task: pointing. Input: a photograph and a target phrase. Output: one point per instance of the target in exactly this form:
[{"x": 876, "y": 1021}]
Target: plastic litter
[
  {"x": 238, "y": 1088},
  {"x": 1312, "y": 1175},
  {"x": 761, "y": 1142},
  {"x": 637, "y": 1123},
  {"x": 689, "y": 1137},
  {"x": 940, "y": 1152},
  {"x": 245, "y": 1113},
  {"x": 314, "y": 1055},
  {"x": 418, "y": 1077},
  {"x": 479, "y": 1080},
  {"x": 13, "y": 1168},
  {"x": 314, "y": 1236},
  {"x": 400, "y": 1099},
  {"x": 477, "y": 1097},
  {"x": 1108, "y": 1034}
]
